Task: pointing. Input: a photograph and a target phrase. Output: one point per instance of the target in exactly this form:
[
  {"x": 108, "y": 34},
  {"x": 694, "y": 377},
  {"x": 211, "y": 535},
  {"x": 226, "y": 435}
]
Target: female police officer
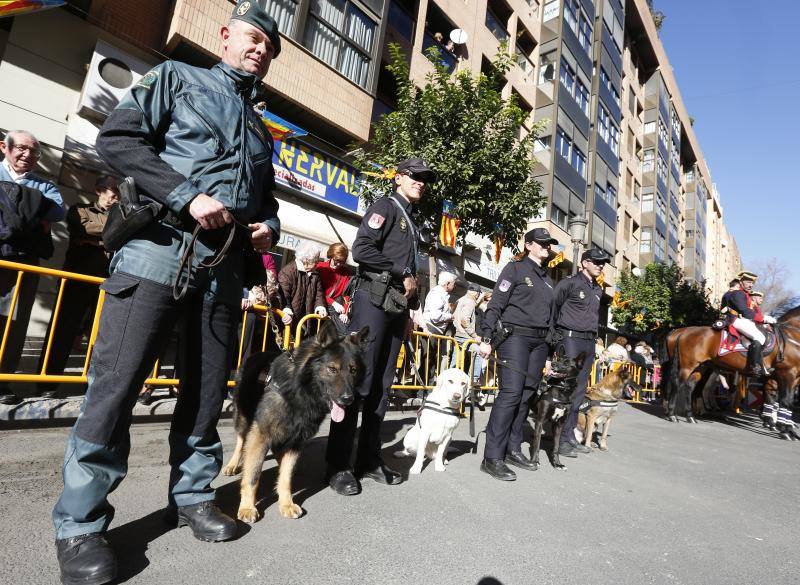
[{"x": 520, "y": 309}]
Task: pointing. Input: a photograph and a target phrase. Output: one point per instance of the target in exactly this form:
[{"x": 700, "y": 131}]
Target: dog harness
[
  {"x": 435, "y": 407},
  {"x": 603, "y": 403}
]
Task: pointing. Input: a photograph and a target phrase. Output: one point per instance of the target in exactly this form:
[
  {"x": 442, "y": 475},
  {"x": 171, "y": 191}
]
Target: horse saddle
[{"x": 731, "y": 340}]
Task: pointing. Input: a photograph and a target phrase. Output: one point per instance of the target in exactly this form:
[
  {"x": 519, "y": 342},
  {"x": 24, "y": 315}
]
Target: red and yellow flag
[
  {"x": 17, "y": 7},
  {"x": 449, "y": 228},
  {"x": 601, "y": 279}
]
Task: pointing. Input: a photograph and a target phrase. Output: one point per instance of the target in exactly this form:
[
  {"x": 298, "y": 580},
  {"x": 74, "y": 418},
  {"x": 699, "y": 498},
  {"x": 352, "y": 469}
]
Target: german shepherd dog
[
  {"x": 554, "y": 401},
  {"x": 284, "y": 410},
  {"x": 601, "y": 406}
]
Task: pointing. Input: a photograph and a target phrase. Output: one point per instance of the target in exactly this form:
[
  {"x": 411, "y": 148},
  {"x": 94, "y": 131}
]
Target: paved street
[{"x": 707, "y": 503}]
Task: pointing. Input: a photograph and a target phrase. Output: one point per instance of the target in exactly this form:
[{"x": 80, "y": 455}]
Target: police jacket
[
  {"x": 739, "y": 304},
  {"x": 577, "y": 304},
  {"x": 182, "y": 131},
  {"x": 387, "y": 238},
  {"x": 523, "y": 296}
]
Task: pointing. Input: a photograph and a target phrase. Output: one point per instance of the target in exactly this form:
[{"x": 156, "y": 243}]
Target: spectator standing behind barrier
[
  {"x": 336, "y": 276},
  {"x": 521, "y": 302},
  {"x": 599, "y": 348},
  {"x": 166, "y": 133},
  {"x": 386, "y": 251},
  {"x": 301, "y": 285},
  {"x": 464, "y": 321},
  {"x": 438, "y": 318},
  {"x": 29, "y": 204},
  {"x": 576, "y": 316},
  {"x": 616, "y": 351},
  {"x": 85, "y": 255}
]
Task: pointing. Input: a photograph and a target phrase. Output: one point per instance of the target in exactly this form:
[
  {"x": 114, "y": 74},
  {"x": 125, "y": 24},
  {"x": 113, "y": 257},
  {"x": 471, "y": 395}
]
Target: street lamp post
[{"x": 577, "y": 232}]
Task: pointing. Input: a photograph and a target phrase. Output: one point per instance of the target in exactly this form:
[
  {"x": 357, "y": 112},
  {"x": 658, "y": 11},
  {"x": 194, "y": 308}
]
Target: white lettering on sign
[
  {"x": 287, "y": 177},
  {"x": 551, "y": 10}
]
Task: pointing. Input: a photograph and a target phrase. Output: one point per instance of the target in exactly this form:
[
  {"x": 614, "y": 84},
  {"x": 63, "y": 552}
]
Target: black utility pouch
[
  {"x": 128, "y": 217},
  {"x": 395, "y": 302},
  {"x": 378, "y": 288}
]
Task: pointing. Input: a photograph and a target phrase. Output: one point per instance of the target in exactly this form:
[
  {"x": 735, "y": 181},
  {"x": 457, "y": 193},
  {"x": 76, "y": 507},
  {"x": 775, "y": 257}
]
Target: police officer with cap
[
  {"x": 576, "y": 315},
  {"x": 193, "y": 143},
  {"x": 385, "y": 249},
  {"x": 517, "y": 322}
]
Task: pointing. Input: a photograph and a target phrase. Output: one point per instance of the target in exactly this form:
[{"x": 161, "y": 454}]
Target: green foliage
[
  {"x": 658, "y": 16},
  {"x": 467, "y": 132},
  {"x": 660, "y": 299}
]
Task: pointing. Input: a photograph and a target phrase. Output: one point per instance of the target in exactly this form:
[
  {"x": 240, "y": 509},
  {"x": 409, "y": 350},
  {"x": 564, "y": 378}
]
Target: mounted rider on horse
[{"x": 744, "y": 314}]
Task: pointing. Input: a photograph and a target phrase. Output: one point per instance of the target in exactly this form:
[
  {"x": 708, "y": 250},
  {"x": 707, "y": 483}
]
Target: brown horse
[{"x": 693, "y": 354}]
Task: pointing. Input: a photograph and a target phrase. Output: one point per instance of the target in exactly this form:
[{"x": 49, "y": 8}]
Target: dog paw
[
  {"x": 560, "y": 467},
  {"x": 291, "y": 511},
  {"x": 230, "y": 470},
  {"x": 603, "y": 448},
  {"x": 415, "y": 470},
  {"x": 249, "y": 515},
  {"x": 439, "y": 468}
]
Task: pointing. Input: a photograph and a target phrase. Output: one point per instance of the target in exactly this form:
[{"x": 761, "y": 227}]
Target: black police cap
[
  {"x": 596, "y": 256},
  {"x": 540, "y": 236},
  {"x": 417, "y": 166},
  {"x": 250, "y": 12}
]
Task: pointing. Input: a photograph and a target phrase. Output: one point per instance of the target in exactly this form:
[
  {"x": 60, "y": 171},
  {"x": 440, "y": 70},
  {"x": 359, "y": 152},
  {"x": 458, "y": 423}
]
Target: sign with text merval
[{"x": 316, "y": 174}]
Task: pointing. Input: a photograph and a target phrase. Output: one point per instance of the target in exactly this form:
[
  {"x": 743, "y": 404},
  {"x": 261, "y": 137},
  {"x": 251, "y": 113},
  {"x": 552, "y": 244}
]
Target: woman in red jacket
[{"x": 336, "y": 275}]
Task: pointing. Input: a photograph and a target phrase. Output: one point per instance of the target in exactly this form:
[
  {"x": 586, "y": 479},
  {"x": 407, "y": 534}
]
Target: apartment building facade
[{"x": 617, "y": 148}]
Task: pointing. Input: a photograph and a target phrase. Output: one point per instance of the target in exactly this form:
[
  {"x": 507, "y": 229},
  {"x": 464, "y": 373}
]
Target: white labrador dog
[{"x": 438, "y": 418}]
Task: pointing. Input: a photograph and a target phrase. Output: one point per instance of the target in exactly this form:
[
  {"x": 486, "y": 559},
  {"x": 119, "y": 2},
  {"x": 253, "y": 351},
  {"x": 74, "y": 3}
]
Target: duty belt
[
  {"x": 529, "y": 331},
  {"x": 578, "y": 334}
]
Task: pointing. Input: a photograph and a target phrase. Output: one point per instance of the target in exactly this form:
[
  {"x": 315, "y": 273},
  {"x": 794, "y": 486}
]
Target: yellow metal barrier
[{"x": 154, "y": 380}]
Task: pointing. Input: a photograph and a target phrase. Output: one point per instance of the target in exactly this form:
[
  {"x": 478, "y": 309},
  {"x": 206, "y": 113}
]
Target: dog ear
[
  {"x": 560, "y": 351},
  {"x": 361, "y": 338},
  {"x": 327, "y": 334},
  {"x": 580, "y": 359}
]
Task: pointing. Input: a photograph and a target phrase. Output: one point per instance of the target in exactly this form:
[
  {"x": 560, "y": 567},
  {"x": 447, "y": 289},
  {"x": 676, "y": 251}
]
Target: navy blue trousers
[
  {"x": 573, "y": 347},
  {"x": 386, "y": 334},
  {"x": 510, "y": 409}
]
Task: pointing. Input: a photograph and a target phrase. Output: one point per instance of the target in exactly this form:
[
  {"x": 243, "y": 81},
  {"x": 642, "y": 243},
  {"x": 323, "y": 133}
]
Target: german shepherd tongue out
[{"x": 280, "y": 403}]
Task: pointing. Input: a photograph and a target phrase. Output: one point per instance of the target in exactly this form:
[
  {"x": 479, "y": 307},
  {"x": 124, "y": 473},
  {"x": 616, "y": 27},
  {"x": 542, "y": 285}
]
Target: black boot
[
  {"x": 755, "y": 361},
  {"x": 206, "y": 520},
  {"x": 86, "y": 559}
]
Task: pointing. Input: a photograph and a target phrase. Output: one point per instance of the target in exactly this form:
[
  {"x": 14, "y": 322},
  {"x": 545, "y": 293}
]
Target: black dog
[
  {"x": 554, "y": 401},
  {"x": 286, "y": 409}
]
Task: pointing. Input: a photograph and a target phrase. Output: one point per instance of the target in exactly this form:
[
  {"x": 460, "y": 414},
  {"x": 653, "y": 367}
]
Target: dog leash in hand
[
  {"x": 187, "y": 259},
  {"x": 505, "y": 364}
]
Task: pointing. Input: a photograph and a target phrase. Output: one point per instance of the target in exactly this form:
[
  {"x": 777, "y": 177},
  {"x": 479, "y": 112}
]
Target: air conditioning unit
[{"x": 112, "y": 72}]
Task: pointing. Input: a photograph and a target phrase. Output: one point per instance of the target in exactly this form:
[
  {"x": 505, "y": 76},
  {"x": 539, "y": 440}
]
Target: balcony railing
[
  {"x": 493, "y": 24},
  {"x": 446, "y": 57}
]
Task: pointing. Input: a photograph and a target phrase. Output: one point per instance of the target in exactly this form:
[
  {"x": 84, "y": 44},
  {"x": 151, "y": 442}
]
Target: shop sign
[{"x": 313, "y": 173}]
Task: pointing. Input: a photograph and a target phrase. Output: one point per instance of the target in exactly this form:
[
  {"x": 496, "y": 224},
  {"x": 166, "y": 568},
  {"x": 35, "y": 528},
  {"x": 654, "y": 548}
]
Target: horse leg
[
  {"x": 688, "y": 388},
  {"x": 785, "y": 425}
]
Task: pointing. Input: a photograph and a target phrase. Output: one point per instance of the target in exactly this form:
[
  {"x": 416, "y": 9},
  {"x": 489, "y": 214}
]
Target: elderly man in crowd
[
  {"x": 438, "y": 318},
  {"x": 21, "y": 154}
]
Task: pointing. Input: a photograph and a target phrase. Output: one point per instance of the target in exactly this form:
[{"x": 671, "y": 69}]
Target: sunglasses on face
[{"x": 418, "y": 177}]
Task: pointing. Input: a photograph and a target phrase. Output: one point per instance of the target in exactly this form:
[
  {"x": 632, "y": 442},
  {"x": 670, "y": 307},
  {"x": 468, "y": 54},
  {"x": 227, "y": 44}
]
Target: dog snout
[
  {"x": 346, "y": 398},
  {"x": 456, "y": 395}
]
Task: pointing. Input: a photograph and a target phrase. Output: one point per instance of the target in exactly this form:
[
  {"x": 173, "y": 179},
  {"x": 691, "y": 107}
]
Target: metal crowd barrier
[{"x": 260, "y": 312}]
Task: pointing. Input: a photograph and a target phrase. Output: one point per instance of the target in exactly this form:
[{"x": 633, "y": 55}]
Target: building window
[
  {"x": 647, "y": 202},
  {"x": 611, "y": 196},
  {"x": 585, "y": 33},
  {"x": 605, "y": 81},
  {"x": 571, "y": 10},
  {"x": 602, "y": 122},
  {"x": 661, "y": 209},
  {"x": 662, "y": 132},
  {"x": 542, "y": 143},
  {"x": 689, "y": 176},
  {"x": 342, "y": 35},
  {"x": 599, "y": 193},
  {"x": 649, "y": 127},
  {"x": 645, "y": 243},
  {"x": 662, "y": 168},
  {"x": 578, "y": 161},
  {"x": 648, "y": 160},
  {"x": 559, "y": 217},
  {"x": 547, "y": 67},
  {"x": 283, "y": 11},
  {"x": 613, "y": 138},
  {"x": 567, "y": 77},
  {"x": 582, "y": 96},
  {"x": 563, "y": 144}
]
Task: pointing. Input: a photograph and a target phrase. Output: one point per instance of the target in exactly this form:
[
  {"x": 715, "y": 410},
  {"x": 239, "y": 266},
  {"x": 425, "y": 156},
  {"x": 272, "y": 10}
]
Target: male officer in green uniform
[{"x": 193, "y": 143}]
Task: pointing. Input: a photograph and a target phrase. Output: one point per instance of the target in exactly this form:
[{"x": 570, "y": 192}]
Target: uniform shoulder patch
[
  {"x": 376, "y": 221},
  {"x": 504, "y": 285},
  {"x": 148, "y": 80}
]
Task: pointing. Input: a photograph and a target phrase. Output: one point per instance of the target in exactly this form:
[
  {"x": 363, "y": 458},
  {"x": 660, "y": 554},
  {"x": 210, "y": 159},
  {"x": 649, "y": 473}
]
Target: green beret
[{"x": 250, "y": 12}]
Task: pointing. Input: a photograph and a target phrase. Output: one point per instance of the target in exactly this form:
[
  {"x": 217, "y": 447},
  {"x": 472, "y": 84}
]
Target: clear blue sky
[{"x": 737, "y": 65}]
